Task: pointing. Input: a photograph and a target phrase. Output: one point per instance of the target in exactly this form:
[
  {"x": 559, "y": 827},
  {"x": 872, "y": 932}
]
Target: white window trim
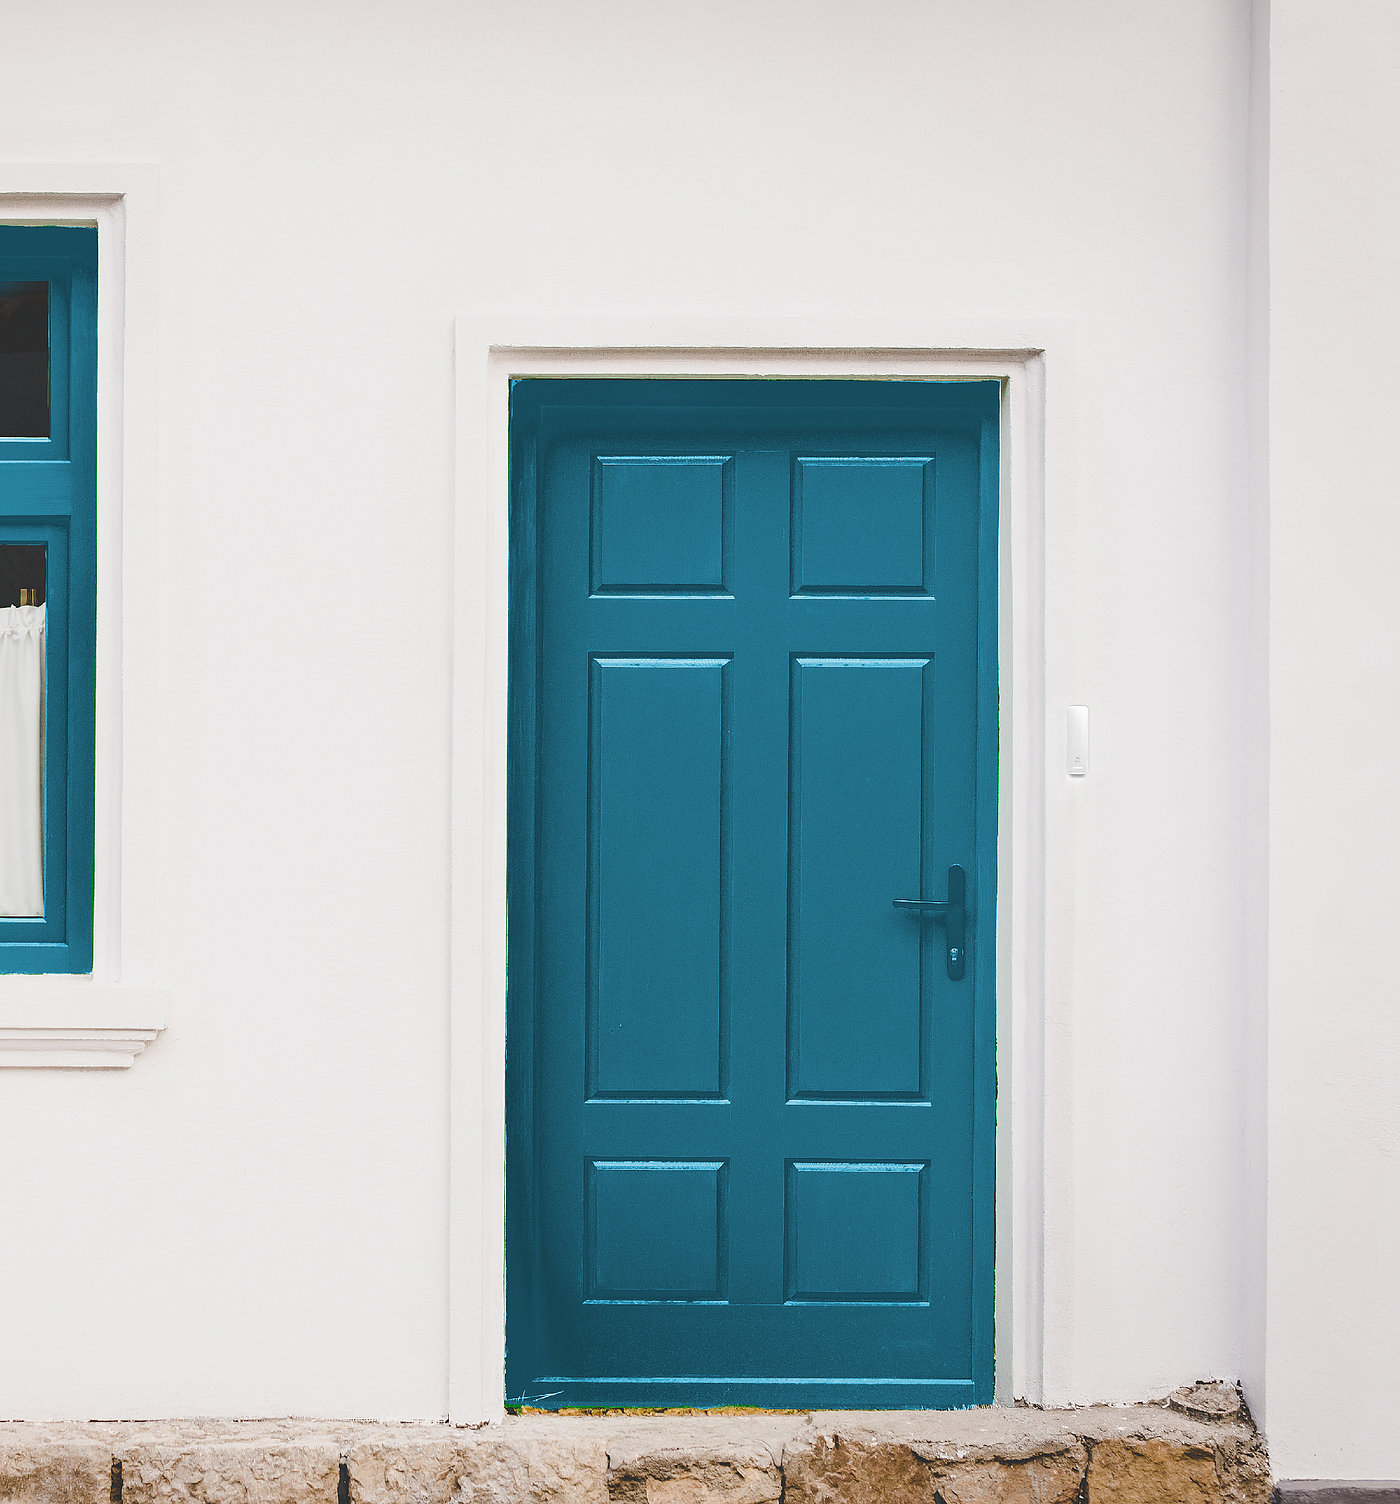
[
  {"x": 105, "y": 1019},
  {"x": 1034, "y": 1315}
]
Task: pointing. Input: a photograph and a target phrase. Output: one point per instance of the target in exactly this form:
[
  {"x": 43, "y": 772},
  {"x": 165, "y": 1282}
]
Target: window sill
[{"x": 101, "y": 1026}]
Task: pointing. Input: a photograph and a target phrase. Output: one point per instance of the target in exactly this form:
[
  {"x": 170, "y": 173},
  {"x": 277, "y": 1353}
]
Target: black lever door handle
[{"x": 952, "y": 911}]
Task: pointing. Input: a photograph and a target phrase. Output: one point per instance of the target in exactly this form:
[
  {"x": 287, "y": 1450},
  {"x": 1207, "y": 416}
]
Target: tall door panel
[{"x": 753, "y": 700}]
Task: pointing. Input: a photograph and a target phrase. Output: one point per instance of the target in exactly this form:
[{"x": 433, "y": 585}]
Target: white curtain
[{"x": 21, "y": 761}]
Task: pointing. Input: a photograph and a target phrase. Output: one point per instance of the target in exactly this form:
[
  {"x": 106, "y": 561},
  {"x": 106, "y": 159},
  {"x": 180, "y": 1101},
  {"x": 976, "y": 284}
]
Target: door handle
[{"x": 952, "y": 911}]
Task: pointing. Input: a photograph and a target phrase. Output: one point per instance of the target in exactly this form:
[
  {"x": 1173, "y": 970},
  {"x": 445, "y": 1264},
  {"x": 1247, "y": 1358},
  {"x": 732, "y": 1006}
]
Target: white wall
[
  {"x": 1334, "y": 1017},
  {"x": 252, "y": 1221}
]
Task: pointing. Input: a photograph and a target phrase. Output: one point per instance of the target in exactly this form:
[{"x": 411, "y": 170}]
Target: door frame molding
[{"x": 1034, "y": 1135}]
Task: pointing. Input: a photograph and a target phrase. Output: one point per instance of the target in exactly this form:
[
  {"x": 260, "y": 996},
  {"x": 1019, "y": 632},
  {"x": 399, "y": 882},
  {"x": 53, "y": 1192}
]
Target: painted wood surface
[
  {"x": 753, "y": 702},
  {"x": 48, "y": 496}
]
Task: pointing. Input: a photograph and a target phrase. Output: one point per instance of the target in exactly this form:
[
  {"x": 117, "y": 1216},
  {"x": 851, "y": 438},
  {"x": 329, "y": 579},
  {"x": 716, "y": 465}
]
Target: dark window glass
[
  {"x": 24, "y": 360},
  {"x": 22, "y": 696},
  {"x": 23, "y": 566}
]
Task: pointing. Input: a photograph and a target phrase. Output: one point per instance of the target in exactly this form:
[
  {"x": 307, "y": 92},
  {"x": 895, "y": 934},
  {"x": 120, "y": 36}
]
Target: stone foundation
[{"x": 1141, "y": 1454}]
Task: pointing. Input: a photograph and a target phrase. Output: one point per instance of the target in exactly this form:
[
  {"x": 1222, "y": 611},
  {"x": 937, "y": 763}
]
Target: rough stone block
[
  {"x": 43, "y": 1472},
  {"x": 395, "y": 1473},
  {"x": 239, "y": 1472},
  {"x": 840, "y": 1471},
  {"x": 1053, "y": 1479},
  {"x": 744, "y": 1475},
  {"x": 478, "y": 1468},
  {"x": 1135, "y": 1471},
  {"x": 1207, "y": 1400},
  {"x": 833, "y": 1469},
  {"x": 1244, "y": 1467}
]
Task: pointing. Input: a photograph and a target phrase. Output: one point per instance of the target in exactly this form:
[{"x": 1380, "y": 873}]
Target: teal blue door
[{"x": 751, "y": 1081}]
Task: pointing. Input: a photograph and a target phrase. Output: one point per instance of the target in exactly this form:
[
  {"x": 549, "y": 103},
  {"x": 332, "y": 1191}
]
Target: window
[{"x": 48, "y": 595}]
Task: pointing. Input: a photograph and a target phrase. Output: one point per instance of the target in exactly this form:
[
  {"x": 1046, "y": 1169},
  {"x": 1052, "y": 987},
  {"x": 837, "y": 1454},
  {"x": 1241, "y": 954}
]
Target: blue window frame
[{"x": 48, "y": 502}]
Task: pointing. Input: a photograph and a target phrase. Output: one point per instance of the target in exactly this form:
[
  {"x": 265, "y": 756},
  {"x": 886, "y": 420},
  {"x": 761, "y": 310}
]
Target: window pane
[
  {"x": 23, "y": 570},
  {"x": 24, "y": 360},
  {"x": 23, "y": 566}
]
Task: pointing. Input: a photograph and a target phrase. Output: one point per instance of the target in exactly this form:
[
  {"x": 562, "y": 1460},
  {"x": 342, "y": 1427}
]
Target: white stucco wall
[
  {"x": 253, "y": 1220},
  {"x": 1333, "y": 1326}
]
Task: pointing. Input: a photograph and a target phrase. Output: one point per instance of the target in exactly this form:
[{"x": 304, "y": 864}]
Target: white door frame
[{"x": 1035, "y": 363}]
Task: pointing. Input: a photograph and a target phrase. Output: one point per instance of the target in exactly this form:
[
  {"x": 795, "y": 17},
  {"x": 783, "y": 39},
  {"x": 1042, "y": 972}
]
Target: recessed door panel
[
  {"x": 863, "y": 525},
  {"x": 660, "y": 524},
  {"x": 657, "y": 1230},
  {"x": 825, "y": 1201},
  {"x": 857, "y": 830},
  {"x": 658, "y": 881}
]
